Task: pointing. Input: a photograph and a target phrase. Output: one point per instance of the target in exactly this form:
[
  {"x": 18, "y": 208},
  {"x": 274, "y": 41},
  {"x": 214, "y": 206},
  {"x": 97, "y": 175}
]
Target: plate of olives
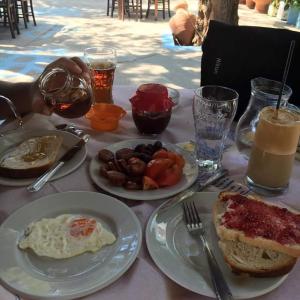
[{"x": 143, "y": 169}]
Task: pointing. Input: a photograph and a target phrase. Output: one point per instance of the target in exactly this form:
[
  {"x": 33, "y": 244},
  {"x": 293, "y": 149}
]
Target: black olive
[{"x": 157, "y": 145}]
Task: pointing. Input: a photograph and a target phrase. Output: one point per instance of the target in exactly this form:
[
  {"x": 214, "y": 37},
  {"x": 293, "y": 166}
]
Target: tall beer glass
[{"x": 102, "y": 65}]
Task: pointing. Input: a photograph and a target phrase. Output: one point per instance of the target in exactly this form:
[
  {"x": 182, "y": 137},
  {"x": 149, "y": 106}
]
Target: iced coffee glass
[
  {"x": 272, "y": 154},
  {"x": 102, "y": 65}
]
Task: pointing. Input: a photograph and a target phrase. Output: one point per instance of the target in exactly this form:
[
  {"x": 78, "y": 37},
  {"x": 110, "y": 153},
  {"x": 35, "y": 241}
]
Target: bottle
[
  {"x": 264, "y": 92},
  {"x": 68, "y": 94}
]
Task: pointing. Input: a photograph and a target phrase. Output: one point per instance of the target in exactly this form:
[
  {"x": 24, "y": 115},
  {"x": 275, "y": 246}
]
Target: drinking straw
[{"x": 285, "y": 74}]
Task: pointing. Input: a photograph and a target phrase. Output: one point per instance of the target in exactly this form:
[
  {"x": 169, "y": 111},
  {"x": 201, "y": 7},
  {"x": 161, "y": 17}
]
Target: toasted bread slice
[
  {"x": 257, "y": 223},
  {"x": 31, "y": 158},
  {"x": 255, "y": 261}
]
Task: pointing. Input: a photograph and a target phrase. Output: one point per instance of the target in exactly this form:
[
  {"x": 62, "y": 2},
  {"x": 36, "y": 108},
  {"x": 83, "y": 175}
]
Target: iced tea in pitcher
[{"x": 69, "y": 95}]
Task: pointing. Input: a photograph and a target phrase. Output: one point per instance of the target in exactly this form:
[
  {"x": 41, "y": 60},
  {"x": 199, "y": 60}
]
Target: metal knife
[
  {"x": 43, "y": 179},
  {"x": 196, "y": 187}
]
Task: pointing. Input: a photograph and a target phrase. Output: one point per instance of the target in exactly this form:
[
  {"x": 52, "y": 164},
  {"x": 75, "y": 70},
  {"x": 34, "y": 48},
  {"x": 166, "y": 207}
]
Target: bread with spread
[
  {"x": 256, "y": 237},
  {"x": 30, "y": 158},
  {"x": 255, "y": 261}
]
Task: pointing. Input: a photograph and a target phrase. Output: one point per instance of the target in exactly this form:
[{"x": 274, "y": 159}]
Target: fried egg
[{"x": 65, "y": 236}]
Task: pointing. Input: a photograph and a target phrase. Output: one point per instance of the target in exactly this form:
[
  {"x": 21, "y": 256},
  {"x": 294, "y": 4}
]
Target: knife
[
  {"x": 196, "y": 187},
  {"x": 43, "y": 179}
]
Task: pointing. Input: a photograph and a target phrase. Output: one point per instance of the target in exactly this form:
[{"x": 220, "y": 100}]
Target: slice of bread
[
  {"x": 255, "y": 261},
  {"x": 257, "y": 223},
  {"x": 31, "y": 158}
]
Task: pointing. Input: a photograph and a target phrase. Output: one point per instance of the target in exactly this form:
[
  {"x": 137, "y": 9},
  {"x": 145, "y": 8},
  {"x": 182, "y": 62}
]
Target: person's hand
[{"x": 74, "y": 65}]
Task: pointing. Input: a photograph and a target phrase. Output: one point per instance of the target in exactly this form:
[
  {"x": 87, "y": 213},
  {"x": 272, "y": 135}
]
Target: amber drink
[
  {"x": 102, "y": 65},
  {"x": 102, "y": 81},
  {"x": 273, "y": 152}
]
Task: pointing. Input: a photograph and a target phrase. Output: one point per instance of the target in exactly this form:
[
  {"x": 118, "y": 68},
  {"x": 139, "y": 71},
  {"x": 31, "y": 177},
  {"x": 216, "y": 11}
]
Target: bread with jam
[{"x": 258, "y": 223}]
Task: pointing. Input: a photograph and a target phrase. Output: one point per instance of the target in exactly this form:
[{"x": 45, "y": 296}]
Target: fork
[
  {"x": 195, "y": 228},
  {"x": 228, "y": 184}
]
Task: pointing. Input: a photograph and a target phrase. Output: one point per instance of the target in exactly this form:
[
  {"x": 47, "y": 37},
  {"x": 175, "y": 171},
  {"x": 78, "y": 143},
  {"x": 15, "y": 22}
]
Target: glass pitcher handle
[{"x": 14, "y": 110}]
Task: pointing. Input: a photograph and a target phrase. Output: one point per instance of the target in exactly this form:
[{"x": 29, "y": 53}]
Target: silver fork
[
  {"x": 195, "y": 228},
  {"x": 228, "y": 184}
]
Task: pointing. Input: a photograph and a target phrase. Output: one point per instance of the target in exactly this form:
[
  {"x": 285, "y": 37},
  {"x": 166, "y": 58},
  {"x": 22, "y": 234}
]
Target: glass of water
[{"x": 214, "y": 108}]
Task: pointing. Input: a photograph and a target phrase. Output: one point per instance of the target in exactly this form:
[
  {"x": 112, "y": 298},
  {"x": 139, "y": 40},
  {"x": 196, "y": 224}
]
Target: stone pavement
[{"x": 145, "y": 49}]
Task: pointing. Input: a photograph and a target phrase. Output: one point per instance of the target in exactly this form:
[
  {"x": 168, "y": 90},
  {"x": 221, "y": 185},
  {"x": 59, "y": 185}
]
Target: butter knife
[
  {"x": 196, "y": 187},
  {"x": 43, "y": 179}
]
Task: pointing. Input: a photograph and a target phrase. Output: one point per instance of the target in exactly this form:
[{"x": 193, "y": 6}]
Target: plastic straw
[{"x": 285, "y": 73}]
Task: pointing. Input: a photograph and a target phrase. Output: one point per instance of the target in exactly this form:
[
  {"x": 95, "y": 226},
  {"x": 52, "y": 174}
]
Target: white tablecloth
[{"x": 144, "y": 280}]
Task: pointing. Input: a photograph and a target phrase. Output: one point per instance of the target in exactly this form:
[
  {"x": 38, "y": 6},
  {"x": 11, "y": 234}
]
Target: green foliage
[
  {"x": 295, "y": 3},
  {"x": 275, "y": 3}
]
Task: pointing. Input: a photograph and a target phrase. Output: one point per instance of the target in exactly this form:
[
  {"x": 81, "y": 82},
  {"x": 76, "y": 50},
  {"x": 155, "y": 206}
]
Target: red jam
[
  {"x": 152, "y": 122},
  {"x": 151, "y": 108},
  {"x": 256, "y": 219}
]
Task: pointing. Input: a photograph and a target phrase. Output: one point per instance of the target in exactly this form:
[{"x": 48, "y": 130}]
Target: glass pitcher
[
  {"x": 264, "y": 92},
  {"x": 68, "y": 94}
]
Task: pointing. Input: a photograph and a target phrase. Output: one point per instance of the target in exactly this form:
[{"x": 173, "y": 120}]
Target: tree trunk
[{"x": 225, "y": 11}]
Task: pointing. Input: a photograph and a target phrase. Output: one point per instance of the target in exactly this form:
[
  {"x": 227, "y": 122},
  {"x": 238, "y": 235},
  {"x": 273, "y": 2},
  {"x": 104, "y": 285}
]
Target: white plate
[
  {"x": 68, "y": 140},
  {"x": 189, "y": 174},
  {"x": 29, "y": 275},
  {"x": 183, "y": 260}
]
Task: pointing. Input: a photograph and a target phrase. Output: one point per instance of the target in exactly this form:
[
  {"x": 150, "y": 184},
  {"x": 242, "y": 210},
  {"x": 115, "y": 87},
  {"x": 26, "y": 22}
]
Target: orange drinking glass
[{"x": 105, "y": 117}]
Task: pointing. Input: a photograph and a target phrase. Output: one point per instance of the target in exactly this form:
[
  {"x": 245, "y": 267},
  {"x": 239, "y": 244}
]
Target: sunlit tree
[{"x": 225, "y": 11}]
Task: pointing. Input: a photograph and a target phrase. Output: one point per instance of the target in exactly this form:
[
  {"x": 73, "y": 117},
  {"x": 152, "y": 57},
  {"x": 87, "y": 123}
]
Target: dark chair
[
  {"x": 28, "y": 10},
  {"x": 233, "y": 55},
  {"x": 21, "y": 11},
  {"x": 161, "y": 7},
  {"x": 8, "y": 14},
  {"x": 130, "y": 6}
]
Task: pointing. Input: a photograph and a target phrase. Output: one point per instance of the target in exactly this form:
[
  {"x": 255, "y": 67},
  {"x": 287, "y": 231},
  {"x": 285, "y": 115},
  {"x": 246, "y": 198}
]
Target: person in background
[
  {"x": 26, "y": 95},
  {"x": 182, "y": 24}
]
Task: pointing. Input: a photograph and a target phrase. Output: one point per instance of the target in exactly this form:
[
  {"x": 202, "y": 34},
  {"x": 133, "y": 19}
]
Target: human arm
[{"x": 26, "y": 95}]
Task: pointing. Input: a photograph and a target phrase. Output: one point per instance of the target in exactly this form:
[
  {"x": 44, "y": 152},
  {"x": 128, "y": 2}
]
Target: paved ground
[{"x": 145, "y": 49}]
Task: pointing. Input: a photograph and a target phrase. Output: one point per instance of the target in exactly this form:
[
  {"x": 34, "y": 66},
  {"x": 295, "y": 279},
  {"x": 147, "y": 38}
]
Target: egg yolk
[{"x": 82, "y": 227}]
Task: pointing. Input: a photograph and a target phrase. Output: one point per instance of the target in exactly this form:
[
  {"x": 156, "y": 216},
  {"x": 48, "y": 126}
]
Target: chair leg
[
  {"x": 26, "y": 11},
  {"x": 127, "y": 8},
  {"x": 141, "y": 9},
  {"x": 32, "y": 13},
  {"x": 169, "y": 9},
  {"x": 164, "y": 7},
  {"x": 23, "y": 13},
  {"x": 14, "y": 18},
  {"x": 148, "y": 9},
  {"x": 107, "y": 9},
  {"x": 113, "y": 3},
  {"x": 10, "y": 23}
]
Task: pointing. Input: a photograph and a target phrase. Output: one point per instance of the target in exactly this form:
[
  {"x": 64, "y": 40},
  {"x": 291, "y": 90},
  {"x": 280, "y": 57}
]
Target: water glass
[
  {"x": 214, "y": 108},
  {"x": 102, "y": 64}
]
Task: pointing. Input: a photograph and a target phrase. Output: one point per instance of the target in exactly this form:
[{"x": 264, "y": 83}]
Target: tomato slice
[
  {"x": 179, "y": 160},
  {"x": 170, "y": 176},
  {"x": 175, "y": 157},
  {"x": 149, "y": 183},
  {"x": 162, "y": 153},
  {"x": 156, "y": 166},
  {"x": 82, "y": 227}
]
